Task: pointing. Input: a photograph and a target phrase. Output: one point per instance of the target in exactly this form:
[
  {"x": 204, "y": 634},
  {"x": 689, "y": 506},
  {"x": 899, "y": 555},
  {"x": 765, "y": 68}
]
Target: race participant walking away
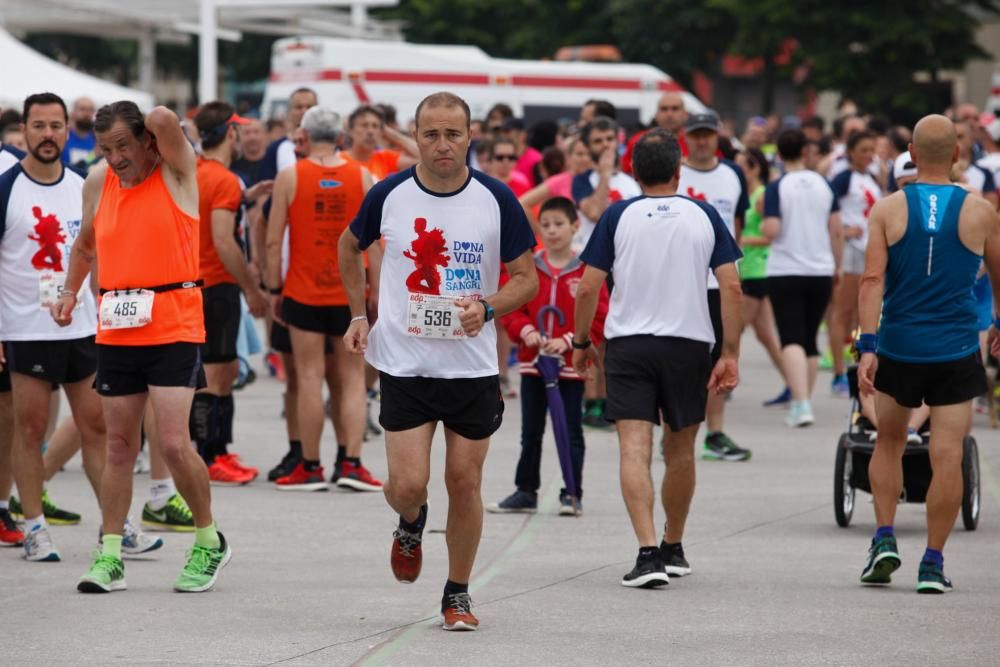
[
  {"x": 924, "y": 248},
  {"x": 140, "y": 216},
  {"x": 317, "y": 198},
  {"x": 722, "y": 185},
  {"x": 559, "y": 271},
  {"x": 659, "y": 353},
  {"x": 803, "y": 223},
  {"x": 434, "y": 342},
  {"x": 225, "y": 273},
  {"x": 856, "y": 191},
  {"x": 757, "y": 310},
  {"x": 366, "y": 130}
]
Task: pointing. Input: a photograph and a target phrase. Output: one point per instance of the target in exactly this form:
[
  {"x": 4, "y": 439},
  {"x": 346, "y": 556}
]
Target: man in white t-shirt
[
  {"x": 41, "y": 205},
  {"x": 447, "y": 230}
]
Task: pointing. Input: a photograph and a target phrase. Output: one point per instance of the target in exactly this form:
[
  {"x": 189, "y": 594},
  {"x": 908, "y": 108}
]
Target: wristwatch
[
  {"x": 489, "y": 310},
  {"x": 582, "y": 345}
]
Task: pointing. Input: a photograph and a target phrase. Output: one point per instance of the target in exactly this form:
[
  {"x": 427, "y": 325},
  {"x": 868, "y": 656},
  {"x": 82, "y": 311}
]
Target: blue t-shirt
[{"x": 80, "y": 152}]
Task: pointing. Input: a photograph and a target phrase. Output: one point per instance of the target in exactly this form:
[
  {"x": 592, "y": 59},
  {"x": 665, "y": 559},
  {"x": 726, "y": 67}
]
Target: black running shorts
[
  {"x": 281, "y": 340},
  {"x": 944, "y": 383},
  {"x": 221, "y": 305},
  {"x": 799, "y": 303},
  {"x": 5, "y": 379},
  {"x": 471, "y": 407},
  {"x": 329, "y": 320},
  {"x": 715, "y": 312},
  {"x": 123, "y": 370},
  {"x": 653, "y": 376},
  {"x": 755, "y": 288},
  {"x": 55, "y": 361}
]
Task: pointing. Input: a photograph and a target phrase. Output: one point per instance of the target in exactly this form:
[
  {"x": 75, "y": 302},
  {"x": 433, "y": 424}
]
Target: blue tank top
[{"x": 929, "y": 311}]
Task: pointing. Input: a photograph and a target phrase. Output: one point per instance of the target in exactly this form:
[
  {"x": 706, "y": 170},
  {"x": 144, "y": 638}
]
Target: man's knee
[
  {"x": 406, "y": 490},
  {"x": 120, "y": 450},
  {"x": 464, "y": 483},
  {"x": 31, "y": 426}
]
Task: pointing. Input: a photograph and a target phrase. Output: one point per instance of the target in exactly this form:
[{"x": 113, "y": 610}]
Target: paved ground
[{"x": 775, "y": 580}]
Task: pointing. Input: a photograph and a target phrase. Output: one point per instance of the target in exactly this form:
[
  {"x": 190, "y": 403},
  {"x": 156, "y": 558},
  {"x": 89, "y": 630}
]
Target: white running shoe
[
  {"x": 141, "y": 463},
  {"x": 800, "y": 414},
  {"x": 134, "y": 541},
  {"x": 38, "y": 545}
]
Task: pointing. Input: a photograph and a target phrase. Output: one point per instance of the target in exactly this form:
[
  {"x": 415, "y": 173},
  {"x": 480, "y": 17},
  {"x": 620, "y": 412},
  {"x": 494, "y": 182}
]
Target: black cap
[
  {"x": 512, "y": 124},
  {"x": 705, "y": 120}
]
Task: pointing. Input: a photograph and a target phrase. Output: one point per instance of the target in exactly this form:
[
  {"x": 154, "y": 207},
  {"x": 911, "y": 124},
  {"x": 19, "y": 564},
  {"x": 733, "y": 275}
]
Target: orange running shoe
[
  {"x": 301, "y": 479},
  {"x": 407, "y": 556},
  {"x": 221, "y": 473},
  {"x": 9, "y": 533},
  {"x": 233, "y": 461},
  {"x": 357, "y": 477},
  {"x": 458, "y": 614}
]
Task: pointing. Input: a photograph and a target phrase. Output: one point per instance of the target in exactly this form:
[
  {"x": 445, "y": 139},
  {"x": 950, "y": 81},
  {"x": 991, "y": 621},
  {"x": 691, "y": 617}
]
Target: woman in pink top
[{"x": 556, "y": 184}]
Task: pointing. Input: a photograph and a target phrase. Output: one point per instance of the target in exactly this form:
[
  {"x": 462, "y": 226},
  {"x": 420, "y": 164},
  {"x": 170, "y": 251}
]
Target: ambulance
[{"x": 345, "y": 73}]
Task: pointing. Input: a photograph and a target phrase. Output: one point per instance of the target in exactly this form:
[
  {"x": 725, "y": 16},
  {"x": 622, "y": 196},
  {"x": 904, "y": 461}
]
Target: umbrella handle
[{"x": 545, "y": 310}]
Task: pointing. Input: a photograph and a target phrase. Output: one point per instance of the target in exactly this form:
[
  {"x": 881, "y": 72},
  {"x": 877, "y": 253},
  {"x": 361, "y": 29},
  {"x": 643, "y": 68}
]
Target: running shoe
[
  {"x": 10, "y": 534},
  {"x": 141, "y": 466},
  {"x": 203, "y": 567},
  {"x": 673, "y": 560},
  {"x": 840, "y": 386},
  {"x": 519, "y": 502},
  {"x": 174, "y": 516},
  {"x": 912, "y": 437},
  {"x": 357, "y": 477},
  {"x": 407, "y": 555},
  {"x": 106, "y": 574},
  {"x": 931, "y": 579},
  {"x": 53, "y": 515},
  {"x": 594, "y": 418},
  {"x": 826, "y": 361},
  {"x": 135, "y": 542},
  {"x": 800, "y": 414},
  {"x": 38, "y": 545},
  {"x": 781, "y": 400},
  {"x": 720, "y": 447},
  {"x": 648, "y": 572},
  {"x": 883, "y": 560},
  {"x": 568, "y": 505},
  {"x": 244, "y": 379},
  {"x": 285, "y": 467},
  {"x": 275, "y": 367},
  {"x": 234, "y": 462},
  {"x": 458, "y": 614},
  {"x": 221, "y": 473},
  {"x": 302, "y": 480},
  {"x": 372, "y": 428}
]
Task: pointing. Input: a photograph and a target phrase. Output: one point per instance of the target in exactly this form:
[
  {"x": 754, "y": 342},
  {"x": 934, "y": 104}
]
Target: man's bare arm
[
  {"x": 731, "y": 298},
  {"x": 171, "y": 143},
  {"x": 873, "y": 279}
]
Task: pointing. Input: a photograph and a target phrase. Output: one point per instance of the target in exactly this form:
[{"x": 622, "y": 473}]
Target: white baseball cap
[{"x": 904, "y": 166}]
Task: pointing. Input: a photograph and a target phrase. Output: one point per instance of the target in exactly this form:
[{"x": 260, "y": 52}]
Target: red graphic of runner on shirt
[
  {"x": 869, "y": 202},
  {"x": 694, "y": 194},
  {"x": 48, "y": 235},
  {"x": 428, "y": 251}
]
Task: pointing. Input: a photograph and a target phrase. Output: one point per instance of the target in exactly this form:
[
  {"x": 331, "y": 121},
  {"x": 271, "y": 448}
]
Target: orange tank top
[
  {"x": 326, "y": 201},
  {"x": 144, "y": 240}
]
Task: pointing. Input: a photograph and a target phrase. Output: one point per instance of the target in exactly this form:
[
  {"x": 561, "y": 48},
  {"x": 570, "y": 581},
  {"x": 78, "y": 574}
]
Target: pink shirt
[
  {"x": 560, "y": 185},
  {"x": 526, "y": 164}
]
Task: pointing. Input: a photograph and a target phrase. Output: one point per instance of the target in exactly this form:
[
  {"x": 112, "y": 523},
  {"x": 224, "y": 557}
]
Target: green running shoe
[
  {"x": 175, "y": 516},
  {"x": 53, "y": 515},
  {"x": 105, "y": 575},
  {"x": 203, "y": 567},
  {"x": 720, "y": 447},
  {"x": 826, "y": 361},
  {"x": 883, "y": 560}
]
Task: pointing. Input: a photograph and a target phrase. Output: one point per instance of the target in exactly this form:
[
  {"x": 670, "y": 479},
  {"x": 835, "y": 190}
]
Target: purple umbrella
[{"x": 549, "y": 365}]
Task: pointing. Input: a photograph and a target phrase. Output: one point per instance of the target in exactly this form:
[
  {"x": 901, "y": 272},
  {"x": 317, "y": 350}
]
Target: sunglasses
[{"x": 512, "y": 158}]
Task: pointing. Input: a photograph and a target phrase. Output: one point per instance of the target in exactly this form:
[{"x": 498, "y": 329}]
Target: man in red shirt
[{"x": 671, "y": 116}]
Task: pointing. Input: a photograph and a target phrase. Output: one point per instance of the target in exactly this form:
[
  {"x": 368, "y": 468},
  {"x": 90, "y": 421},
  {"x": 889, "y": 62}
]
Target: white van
[{"x": 346, "y": 73}]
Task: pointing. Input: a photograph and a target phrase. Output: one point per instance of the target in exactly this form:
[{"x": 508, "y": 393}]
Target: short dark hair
[
  {"x": 42, "y": 99},
  {"x": 10, "y": 117},
  {"x": 501, "y": 141},
  {"x": 561, "y": 204},
  {"x": 502, "y": 109},
  {"x": 600, "y": 124},
  {"x": 756, "y": 156},
  {"x": 553, "y": 160},
  {"x": 814, "y": 122},
  {"x": 857, "y": 137},
  {"x": 444, "y": 99},
  {"x": 212, "y": 123},
  {"x": 387, "y": 111},
  {"x": 362, "y": 110},
  {"x": 602, "y": 108},
  {"x": 274, "y": 124},
  {"x": 900, "y": 141},
  {"x": 126, "y": 111},
  {"x": 790, "y": 144},
  {"x": 304, "y": 89},
  {"x": 656, "y": 157}
]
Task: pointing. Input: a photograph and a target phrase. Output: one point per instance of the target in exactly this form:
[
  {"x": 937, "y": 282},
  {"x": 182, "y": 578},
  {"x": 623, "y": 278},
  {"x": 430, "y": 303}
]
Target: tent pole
[
  {"x": 208, "y": 53},
  {"x": 147, "y": 60}
]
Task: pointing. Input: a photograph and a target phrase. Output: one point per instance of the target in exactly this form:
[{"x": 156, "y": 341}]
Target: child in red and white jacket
[{"x": 559, "y": 272}]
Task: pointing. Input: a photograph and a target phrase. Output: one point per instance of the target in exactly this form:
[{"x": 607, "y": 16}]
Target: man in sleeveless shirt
[
  {"x": 925, "y": 245},
  {"x": 140, "y": 216},
  {"x": 317, "y": 198},
  {"x": 447, "y": 230}
]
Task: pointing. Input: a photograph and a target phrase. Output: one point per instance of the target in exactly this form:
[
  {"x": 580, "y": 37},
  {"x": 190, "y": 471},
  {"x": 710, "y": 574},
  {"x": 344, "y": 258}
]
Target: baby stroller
[{"x": 854, "y": 451}]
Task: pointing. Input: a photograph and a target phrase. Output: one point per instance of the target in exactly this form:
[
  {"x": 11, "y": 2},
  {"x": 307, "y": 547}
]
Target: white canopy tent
[{"x": 27, "y": 71}]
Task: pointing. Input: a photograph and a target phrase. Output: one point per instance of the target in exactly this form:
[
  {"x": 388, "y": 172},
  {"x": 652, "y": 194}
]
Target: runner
[
  {"x": 722, "y": 185},
  {"x": 924, "y": 250},
  {"x": 317, "y": 198},
  {"x": 503, "y": 155},
  {"x": 151, "y": 324},
  {"x": 225, "y": 273},
  {"x": 670, "y": 116},
  {"x": 40, "y": 201},
  {"x": 976, "y": 177},
  {"x": 659, "y": 360},
  {"x": 81, "y": 145},
  {"x": 367, "y": 132},
  {"x": 856, "y": 191},
  {"x": 801, "y": 219},
  {"x": 433, "y": 342}
]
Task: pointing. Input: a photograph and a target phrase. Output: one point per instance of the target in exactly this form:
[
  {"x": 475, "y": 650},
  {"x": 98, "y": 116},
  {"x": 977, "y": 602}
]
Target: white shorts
[{"x": 853, "y": 260}]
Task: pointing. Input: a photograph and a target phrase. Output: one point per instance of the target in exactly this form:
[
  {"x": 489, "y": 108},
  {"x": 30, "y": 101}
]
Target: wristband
[
  {"x": 66, "y": 292},
  {"x": 489, "y": 310},
  {"x": 359, "y": 318},
  {"x": 275, "y": 291},
  {"x": 866, "y": 343},
  {"x": 581, "y": 345}
]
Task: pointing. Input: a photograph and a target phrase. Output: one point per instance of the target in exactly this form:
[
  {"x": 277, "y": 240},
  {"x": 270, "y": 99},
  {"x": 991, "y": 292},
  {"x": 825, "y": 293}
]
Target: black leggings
[{"x": 799, "y": 303}]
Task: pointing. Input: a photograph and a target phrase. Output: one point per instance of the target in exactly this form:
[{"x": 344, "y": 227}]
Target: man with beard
[
  {"x": 225, "y": 272},
  {"x": 81, "y": 145}
]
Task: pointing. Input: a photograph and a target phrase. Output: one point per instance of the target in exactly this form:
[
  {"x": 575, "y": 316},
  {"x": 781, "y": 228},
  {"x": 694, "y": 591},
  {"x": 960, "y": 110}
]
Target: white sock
[
  {"x": 4, "y": 504},
  {"x": 31, "y": 524},
  {"x": 160, "y": 491}
]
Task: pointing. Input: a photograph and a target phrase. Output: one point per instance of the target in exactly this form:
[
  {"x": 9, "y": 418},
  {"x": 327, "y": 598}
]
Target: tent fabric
[{"x": 27, "y": 72}]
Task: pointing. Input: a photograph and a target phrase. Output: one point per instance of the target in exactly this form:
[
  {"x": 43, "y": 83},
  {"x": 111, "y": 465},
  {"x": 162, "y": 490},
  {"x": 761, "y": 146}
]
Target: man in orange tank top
[
  {"x": 317, "y": 199},
  {"x": 140, "y": 216},
  {"x": 367, "y": 132},
  {"x": 225, "y": 272}
]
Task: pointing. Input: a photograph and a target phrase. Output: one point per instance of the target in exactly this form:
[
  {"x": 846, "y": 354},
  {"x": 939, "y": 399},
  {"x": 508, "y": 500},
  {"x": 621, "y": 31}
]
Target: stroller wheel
[
  {"x": 970, "y": 483},
  {"x": 843, "y": 492}
]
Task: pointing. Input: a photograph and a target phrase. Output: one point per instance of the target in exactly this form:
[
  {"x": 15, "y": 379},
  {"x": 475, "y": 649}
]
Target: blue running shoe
[
  {"x": 931, "y": 579},
  {"x": 883, "y": 560},
  {"x": 781, "y": 400}
]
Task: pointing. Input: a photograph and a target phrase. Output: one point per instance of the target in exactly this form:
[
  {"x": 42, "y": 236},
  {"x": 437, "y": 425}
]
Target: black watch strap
[
  {"x": 581, "y": 345},
  {"x": 488, "y": 310}
]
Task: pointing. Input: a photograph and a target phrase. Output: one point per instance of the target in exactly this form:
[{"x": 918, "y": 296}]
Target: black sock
[
  {"x": 452, "y": 588},
  {"x": 648, "y": 552},
  {"x": 341, "y": 453},
  {"x": 353, "y": 460},
  {"x": 418, "y": 525},
  {"x": 295, "y": 447},
  {"x": 588, "y": 404},
  {"x": 310, "y": 466},
  {"x": 225, "y": 411},
  {"x": 200, "y": 425}
]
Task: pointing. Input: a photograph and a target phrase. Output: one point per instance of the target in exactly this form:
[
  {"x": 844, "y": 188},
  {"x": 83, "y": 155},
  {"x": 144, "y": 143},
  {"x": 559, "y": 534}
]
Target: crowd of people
[{"x": 350, "y": 238}]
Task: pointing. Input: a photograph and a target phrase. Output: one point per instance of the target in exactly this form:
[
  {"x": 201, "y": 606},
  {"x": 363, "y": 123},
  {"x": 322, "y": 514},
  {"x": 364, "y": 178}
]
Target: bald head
[
  {"x": 934, "y": 143},
  {"x": 670, "y": 112}
]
